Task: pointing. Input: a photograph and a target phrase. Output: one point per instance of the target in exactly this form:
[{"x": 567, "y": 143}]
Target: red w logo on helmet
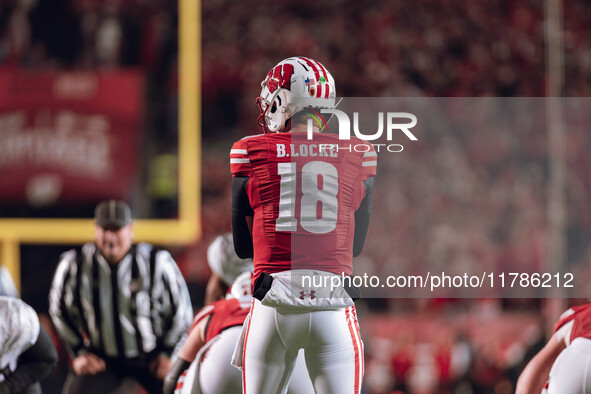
[{"x": 279, "y": 77}]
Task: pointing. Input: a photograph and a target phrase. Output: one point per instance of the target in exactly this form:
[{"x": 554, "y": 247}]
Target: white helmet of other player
[
  {"x": 241, "y": 287},
  {"x": 19, "y": 330},
  {"x": 224, "y": 262},
  {"x": 293, "y": 85}
]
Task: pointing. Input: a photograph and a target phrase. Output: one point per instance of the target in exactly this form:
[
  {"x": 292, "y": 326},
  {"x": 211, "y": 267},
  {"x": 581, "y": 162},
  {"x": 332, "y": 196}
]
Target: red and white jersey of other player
[
  {"x": 574, "y": 323},
  {"x": 224, "y": 314},
  {"x": 304, "y": 194}
]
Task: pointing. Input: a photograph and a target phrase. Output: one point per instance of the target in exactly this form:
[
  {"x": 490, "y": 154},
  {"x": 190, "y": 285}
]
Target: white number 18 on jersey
[{"x": 311, "y": 196}]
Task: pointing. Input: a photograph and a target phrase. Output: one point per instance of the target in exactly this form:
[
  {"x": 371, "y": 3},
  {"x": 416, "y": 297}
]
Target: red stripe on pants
[{"x": 353, "y": 330}]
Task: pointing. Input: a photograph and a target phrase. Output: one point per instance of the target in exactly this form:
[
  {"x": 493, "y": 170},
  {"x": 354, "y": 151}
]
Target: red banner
[{"x": 68, "y": 136}]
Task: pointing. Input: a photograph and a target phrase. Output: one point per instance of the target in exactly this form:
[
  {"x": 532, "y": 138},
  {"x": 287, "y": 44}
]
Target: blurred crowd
[
  {"x": 100, "y": 35},
  {"x": 455, "y": 201}
]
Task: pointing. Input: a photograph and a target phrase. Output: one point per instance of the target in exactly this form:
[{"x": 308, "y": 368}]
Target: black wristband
[{"x": 262, "y": 286}]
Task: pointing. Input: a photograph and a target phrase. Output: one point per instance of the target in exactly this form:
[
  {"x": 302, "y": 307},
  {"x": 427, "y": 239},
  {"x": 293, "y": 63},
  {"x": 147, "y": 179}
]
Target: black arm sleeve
[
  {"x": 34, "y": 364},
  {"x": 240, "y": 210},
  {"x": 174, "y": 374},
  {"x": 362, "y": 216}
]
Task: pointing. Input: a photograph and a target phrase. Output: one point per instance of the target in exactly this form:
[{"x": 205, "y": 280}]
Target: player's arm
[
  {"x": 186, "y": 355},
  {"x": 195, "y": 341},
  {"x": 242, "y": 215},
  {"x": 216, "y": 288},
  {"x": 535, "y": 374},
  {"x": 362, "y": 217},
  {"x": 34, "y": 364}
]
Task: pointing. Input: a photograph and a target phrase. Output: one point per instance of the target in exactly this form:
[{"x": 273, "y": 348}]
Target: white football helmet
[
  {"x": 293, "y": 85},
  {"x": 241, "y": 287},
  {"x": 224, "y": 262}
]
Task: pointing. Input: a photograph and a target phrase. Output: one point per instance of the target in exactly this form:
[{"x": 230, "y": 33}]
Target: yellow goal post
[{"x": 185, "y": 229}]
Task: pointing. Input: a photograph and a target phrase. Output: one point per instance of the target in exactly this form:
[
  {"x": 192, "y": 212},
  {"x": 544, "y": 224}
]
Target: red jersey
[
  {"x": 304, "y": 194},
  {"x": 224, "y": 314},
  {"x": 580, "y": 316}
]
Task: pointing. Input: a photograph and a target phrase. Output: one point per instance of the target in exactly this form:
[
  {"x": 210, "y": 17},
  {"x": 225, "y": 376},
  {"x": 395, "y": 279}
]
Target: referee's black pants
[{"x": 110, "y": 379}]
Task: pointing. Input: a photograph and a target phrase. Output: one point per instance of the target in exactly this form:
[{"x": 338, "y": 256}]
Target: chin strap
[{"x": 261, "y": 119}]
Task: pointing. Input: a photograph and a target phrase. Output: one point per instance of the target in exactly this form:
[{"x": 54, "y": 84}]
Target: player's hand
[
  {"x": 88, "y": 364},
  {"x": 160, "y": 366}
]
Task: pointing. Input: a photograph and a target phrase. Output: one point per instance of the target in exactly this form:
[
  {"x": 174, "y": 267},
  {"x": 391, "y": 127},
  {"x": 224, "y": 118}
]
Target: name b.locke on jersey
[{"x": 307, "y": 150}]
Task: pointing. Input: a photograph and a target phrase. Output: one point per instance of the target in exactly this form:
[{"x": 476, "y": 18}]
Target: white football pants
[
  {"x": 571, "y": 372},
  {"x": 330, "y": 339},
  {"x": 217, "y": 376}
]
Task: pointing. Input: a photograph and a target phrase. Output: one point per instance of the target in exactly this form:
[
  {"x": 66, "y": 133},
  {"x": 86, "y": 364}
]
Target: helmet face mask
[
  {"x": 272, "y": 116},
  {"x": 293, "y": 85}
]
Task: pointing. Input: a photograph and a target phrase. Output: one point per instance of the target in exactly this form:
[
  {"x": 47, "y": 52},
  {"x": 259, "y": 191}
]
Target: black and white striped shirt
[{"x": 139, "y": 306}]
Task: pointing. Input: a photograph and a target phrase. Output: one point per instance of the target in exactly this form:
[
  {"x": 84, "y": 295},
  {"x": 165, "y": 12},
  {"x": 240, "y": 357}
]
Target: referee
[{"x": 119, "y": 307}]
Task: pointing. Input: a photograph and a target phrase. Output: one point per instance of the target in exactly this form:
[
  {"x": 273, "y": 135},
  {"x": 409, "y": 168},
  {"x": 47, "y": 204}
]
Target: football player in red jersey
[
  {"x": 216, "y": 327},
  {"x": 203, "y": 363},
  {"x": 300, "y": 207},
  {"x": 565, "y": 361}
]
